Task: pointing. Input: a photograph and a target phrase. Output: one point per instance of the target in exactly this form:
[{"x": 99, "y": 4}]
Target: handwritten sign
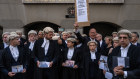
[{"x": 82, "y": 12}]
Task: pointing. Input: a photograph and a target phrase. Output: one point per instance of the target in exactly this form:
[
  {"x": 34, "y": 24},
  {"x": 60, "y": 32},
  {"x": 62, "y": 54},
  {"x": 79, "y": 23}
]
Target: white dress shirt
[
  {"x": 93, "y": 56},
  {"x": 70, "y": 53},
  {"x": 5, "y": 44},
  {"x": 79, "y": 45},
  {"x": 31, "y": 45},
  {"x": 66, "y": 41},
  {"x": 135, "y": 43},
  {"x": 14, "y": 52},
  {"x": 45, "y": 45},
  {"x": 92, "y": 39},
  {"x": 124, "y": 52},
  {"x": 101, "y": 43}
]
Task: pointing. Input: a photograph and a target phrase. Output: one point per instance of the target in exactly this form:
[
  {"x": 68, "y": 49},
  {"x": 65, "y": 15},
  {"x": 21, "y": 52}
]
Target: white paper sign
[
  {"x": 101, "y": 65},
  {"x": 103, "y": 59},
  {"x": 108, "y": 75},
  {"x": 17, "y": 69},
  {"x": 121, "y": 61},
  {"x": 82, "y": 11},
  {"x": 44, "y": 64},
  {"x": 69, "y": 63},
  {"x": 106, "y": 67}
]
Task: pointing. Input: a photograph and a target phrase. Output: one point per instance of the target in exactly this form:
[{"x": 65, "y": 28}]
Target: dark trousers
[
  {"x": 17, "y": 76},
  {"x": 30, "y": 70},
  {"x": 70, "y": 73},
  {"x": 44, "y": 73},
  {"x": 81, "y": 73}
]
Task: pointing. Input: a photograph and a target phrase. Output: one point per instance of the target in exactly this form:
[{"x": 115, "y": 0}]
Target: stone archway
[
  {"x": 40, "y": 25},
  {"x": 104, "y": 28}
]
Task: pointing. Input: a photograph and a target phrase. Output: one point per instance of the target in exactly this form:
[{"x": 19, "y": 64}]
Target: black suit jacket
[
  {"x": 22, "y": 41},
  {"x": 28, "y": 53},
  {"x": 64, "y": 43},
  {"x": 1, "y": 75},
  {"x": 138, "y": 44},
  {"x": 1, "y": 46},
  {"x": 134, "y": 60},
  {"x": 39, "y": 52},
  {"x": 82, "y": 55},
  {"x": 8, "y": 61},
  {"x": 87, "y": 60},
  {"x": 103, "y": 46}
]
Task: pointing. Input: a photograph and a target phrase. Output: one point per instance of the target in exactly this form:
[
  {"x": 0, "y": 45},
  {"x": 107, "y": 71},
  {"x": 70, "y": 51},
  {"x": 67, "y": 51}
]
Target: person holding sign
[
  {"x": 91, "y": 61},
  {"x": 127, "y": 63},
  {"x": 45, "y": 55},
  {"x": 13, "y": 64},
  {"x": 85, "y": 40},
  {"x": 71, "y": 60}
]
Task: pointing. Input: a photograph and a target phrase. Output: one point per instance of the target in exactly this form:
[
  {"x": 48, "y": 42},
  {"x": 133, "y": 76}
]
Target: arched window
[
  {"x": 104, "y": 28},
  {"x": 40, "y": 25}
]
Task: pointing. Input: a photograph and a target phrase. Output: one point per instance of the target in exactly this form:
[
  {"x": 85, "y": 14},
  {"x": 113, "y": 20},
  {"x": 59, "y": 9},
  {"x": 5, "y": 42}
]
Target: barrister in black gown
[
  {"x": 29, "y": 50},
  {"x": 79, "y": 47},
  {"x": 126, "y": 50},
  {"x": 61, "y": 48},
  {"x": 70, "y": 54},
  {"x": 91, "y": 61},
  {"x": 45, "y": 50},
  {"x": 13, "y": 55}
]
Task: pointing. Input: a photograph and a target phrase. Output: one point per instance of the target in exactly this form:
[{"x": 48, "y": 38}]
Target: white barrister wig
[
  {"x": 18, "y": 31},
  {"x": 13, "y": 33},
  {"x": 92, "y": 42},
  {"x": 56, "y": 34},
  {"x": 116, "y": 39},
  {"x": 70, "y": 32},
  {"x": 65, "y": 32},
  {"x": 71, "y": 39},
  {"x": 114, "y": 33},
  {"x": 32, "y": 32},
  {"x": 23, "y": 36},
  {"x": 125, "y": 31},
  {"x": 41, "y": 32},
  {"x": 48, "y": 29},
  {"x": 12, "y": 36},
  {"x": 55, "y": 37},
  {"x": 84, "y": 35},
  {"x": 5, "y": 33}
]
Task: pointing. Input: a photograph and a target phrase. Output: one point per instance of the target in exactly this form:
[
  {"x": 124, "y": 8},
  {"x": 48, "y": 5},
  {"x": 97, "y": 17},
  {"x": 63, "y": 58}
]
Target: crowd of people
[{"x": 70, "y": 55}]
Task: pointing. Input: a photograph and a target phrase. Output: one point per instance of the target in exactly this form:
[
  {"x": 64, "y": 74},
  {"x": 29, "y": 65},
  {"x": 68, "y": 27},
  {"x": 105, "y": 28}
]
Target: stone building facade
[{"x": 105, "y": 15}]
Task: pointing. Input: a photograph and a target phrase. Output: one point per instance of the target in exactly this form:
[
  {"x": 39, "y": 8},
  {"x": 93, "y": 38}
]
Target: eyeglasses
[{"x": 123, "y": 37}]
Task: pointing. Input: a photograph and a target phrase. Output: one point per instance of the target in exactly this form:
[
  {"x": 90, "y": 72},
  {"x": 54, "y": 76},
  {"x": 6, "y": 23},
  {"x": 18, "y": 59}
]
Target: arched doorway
[
  {"x": 40, "y": 25},
  {"x": 104, "y": 28}
]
